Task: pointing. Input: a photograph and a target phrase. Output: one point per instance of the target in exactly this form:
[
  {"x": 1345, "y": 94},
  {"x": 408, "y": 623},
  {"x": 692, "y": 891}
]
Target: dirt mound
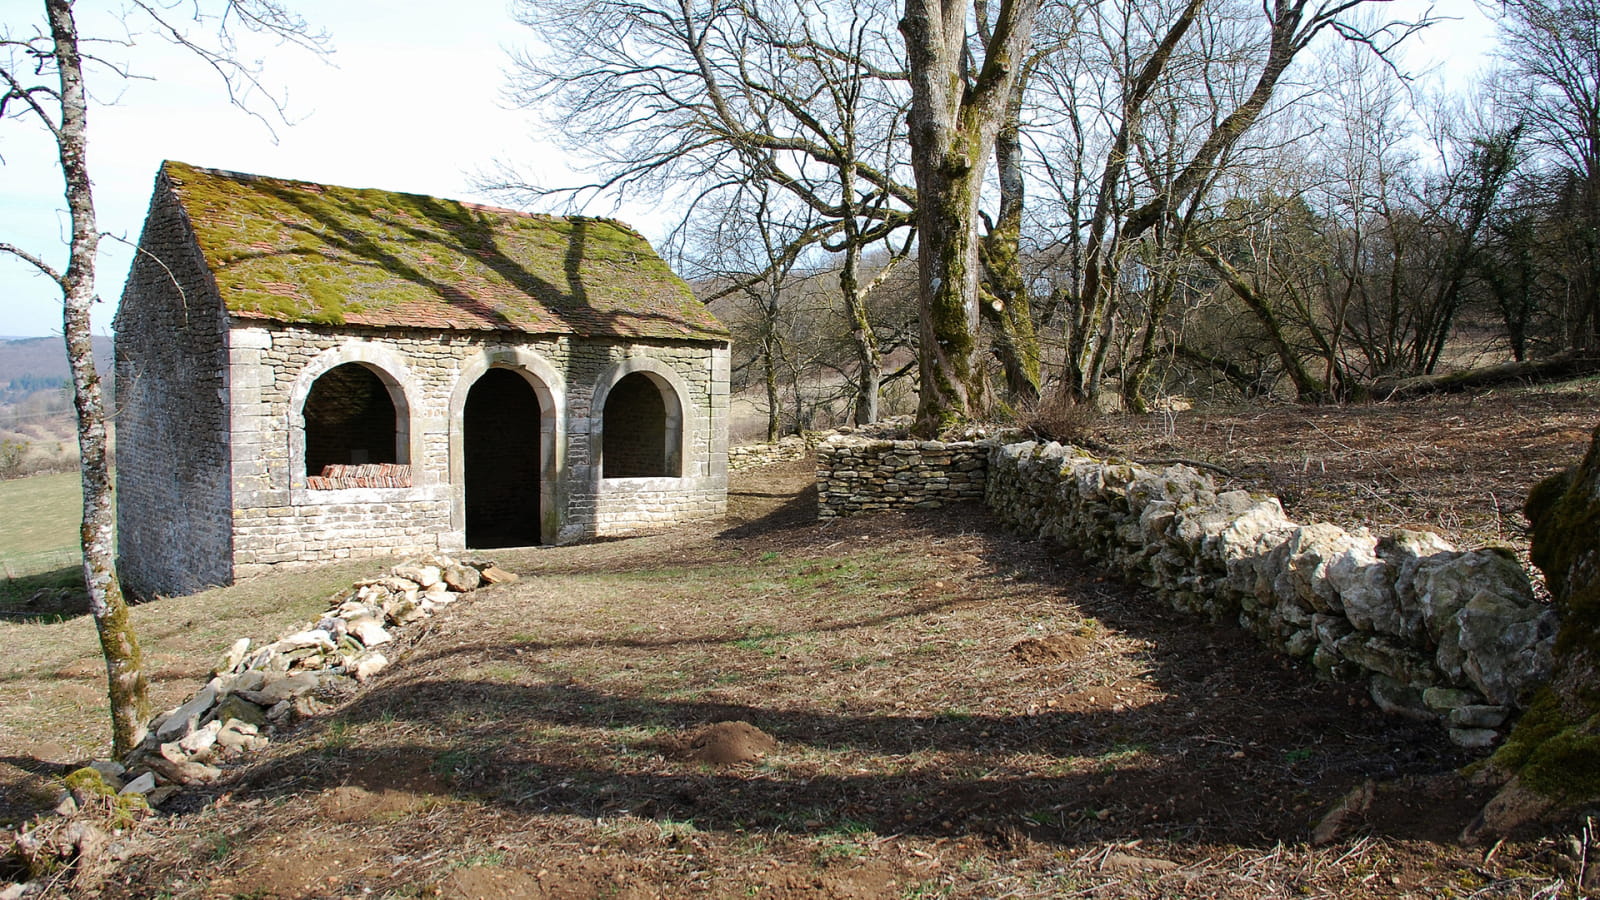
[
  {"x": 1047, "y": 651},
  {"x": 725, "y": 743}
]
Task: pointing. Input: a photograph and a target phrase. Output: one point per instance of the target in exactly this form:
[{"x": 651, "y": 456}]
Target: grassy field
[
  {"x": 40, "y": 577},
  {"x": 38, "y": 522}
]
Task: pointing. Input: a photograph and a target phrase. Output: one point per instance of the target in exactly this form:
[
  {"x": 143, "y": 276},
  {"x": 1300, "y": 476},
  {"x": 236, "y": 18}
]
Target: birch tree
[{"x": 44, "y": 74}]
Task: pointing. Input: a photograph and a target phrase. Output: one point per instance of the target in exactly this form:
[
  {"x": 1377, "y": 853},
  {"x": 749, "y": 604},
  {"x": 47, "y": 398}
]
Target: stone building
[{"x": 308, "y": 373}]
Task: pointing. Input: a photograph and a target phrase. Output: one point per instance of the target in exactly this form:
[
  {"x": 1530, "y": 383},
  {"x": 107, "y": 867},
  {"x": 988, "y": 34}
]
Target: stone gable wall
[
  {"x": 174, "y": 521},
  {"x": 1434, "y": 632}
]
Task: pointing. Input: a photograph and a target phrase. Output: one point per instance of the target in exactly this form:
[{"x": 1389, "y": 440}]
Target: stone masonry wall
[
  {"x": 278, "y": 521},
  {"x": 856, "y": 475},
  {"x": 788, "y": 448},
  {"x": 1435, "y": 632},
  {"x": 170, "y": 414}
]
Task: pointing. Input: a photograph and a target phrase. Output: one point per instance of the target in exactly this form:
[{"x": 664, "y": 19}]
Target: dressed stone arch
[
  {"x": 624, "y": 391},
  {"x": 389, "y": 368},
  {"x": 549, "y": 388}
]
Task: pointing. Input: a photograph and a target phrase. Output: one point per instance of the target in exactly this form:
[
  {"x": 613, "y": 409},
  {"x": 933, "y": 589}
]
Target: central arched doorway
[{"x": 501, "y": 461}]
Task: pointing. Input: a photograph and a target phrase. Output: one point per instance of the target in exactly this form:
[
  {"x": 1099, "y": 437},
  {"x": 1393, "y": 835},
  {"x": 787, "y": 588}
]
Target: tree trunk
[
  {"x": 769, "y": 376},
  {"x": 1138, "y": 372},
  {"x": 124, "y": 663},
  {"x": 1566, "y": 365},
  {"x": 1306, "y": 387},
  {"x": 1006, "y": 305},
  {"x": 869, "y": 367},
  {"x": 1549, "y": 767},
  {"x": 952, "y": 126}
]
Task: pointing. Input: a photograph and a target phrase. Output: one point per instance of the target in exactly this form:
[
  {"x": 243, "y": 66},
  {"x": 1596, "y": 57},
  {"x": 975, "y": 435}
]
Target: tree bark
[
  {"x": 1549, "y": 767},
  {"x": 952, "y": 127},
  {"x": 1005, "y": 302},
  {"x": 124, "y": 661},
  {"x": 869, "y": 366}
]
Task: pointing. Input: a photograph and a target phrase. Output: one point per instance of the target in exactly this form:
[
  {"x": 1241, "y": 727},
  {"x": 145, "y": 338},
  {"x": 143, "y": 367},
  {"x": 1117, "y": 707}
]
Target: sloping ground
[
  {"x": 1458, "y": 465},
  {"x": 932, "y": 708}
]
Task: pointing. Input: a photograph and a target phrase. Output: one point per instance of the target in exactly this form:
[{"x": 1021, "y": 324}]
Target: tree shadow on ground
[
  {"x": 45, "y": 597},
  {"x": 1227, "y": 742}
]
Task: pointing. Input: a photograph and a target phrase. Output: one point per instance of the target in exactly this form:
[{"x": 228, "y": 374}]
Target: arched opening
[
  {"x": 349, "y": 417},
  {"x": 500, "y": 461},
  {"x": 639, "y": 428}
]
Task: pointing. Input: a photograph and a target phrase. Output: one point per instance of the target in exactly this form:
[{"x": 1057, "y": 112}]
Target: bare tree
[
  {"x": 957, "y": 108},
  {"x": 1551, "y": 50},
  {"x": 1287, "y": 27},
  {"x": 706, "y": 101},
  {"x": 44, "y": 77}
]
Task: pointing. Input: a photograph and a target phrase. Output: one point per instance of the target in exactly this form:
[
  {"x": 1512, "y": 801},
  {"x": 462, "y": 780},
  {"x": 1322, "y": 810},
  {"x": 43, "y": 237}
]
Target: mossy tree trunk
[
  {"x": 1005, "y": 302},
  {"x": 1549, "y": 767},
  {"x": 955, "y": 115}
]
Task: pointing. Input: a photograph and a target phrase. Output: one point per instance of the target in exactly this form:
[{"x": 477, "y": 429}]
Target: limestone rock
[
  {"x": 1365, "y": 585},
  {"x": 201, "y": 740},
  {"x": 186, "y": 772},
  {"x": 237, "y": 708},
  {"x": 369, "y": 630},
  {"x": 144, "y": 784},
  {"x": 1474, "y": 738},
  {"x": 281, "y": 689},
  {"x": 234, "y": 658},
  {"x": 181, "y": 721},
  {"x": 311, "y": 639},
  {"x": 461, "y": 578},
  {"x": 422, "y": 575},
  {"x": 1445, "y": 582},
  {"x": 1306, "y": 557},
  {"x": 367, "y": 665},
  {"x": 109, "y": 769},
  {"x": 1379, "y": 654},
  {"x": 1399, "y": 699},
  {"x": 1405, "y": 551},
  {"x": 1506, "y": 646},
  {"x": 1479, "y": 716},
  {"x": 497, "y": 575}
]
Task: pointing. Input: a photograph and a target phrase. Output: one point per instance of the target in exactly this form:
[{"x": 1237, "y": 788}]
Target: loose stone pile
[
  {"x": 1436, "y": 632},
  {"x": 252, "y": 692},
  {"x": 256, "y": 689}
]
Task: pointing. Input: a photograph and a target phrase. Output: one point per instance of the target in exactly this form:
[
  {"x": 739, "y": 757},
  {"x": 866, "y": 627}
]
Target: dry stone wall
[
  {"x": 857, "y": 475},
  {"x": 749, "y": 456},
  {"x": 1435, "y": 632}
]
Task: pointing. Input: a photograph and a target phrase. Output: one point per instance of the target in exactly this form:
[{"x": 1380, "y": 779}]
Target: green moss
[
  {"x": 299, "y": 252},
  {"x": 87, "y": 781},
  {"x": 1566, "y": 765}
]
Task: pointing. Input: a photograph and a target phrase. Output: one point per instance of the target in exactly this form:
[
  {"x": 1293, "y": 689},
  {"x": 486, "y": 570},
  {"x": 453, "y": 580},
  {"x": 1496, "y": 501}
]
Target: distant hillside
[
  {"x": 37, "y": 427},
  {"x": 44, "y": 359}
]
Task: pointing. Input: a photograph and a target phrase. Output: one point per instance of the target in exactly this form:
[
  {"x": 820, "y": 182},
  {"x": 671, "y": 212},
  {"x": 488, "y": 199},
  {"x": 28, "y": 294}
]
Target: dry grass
[
  {"x": 54, "y": 681},
  {"x": 957, "y": 714}
]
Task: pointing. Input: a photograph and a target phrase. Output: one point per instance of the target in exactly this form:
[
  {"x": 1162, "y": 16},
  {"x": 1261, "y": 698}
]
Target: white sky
[{"x": 411, "y": 101}]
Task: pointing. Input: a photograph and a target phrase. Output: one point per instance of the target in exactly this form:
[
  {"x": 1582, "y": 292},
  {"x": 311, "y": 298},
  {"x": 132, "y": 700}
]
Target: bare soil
[
  {"x": 888, "y": 706},
  {"x": 1460, "y": 465}
]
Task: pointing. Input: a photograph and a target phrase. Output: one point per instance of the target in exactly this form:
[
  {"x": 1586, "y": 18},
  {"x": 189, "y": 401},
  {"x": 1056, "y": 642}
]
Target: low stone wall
[
  {"x": 1435, "y": 632},
  {"x": 861, "y": 475},
  {"x": 749, "y": 456}
]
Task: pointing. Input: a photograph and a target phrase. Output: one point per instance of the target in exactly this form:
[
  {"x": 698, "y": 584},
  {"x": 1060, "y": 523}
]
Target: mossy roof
[{"x": 293, "y": 251}]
